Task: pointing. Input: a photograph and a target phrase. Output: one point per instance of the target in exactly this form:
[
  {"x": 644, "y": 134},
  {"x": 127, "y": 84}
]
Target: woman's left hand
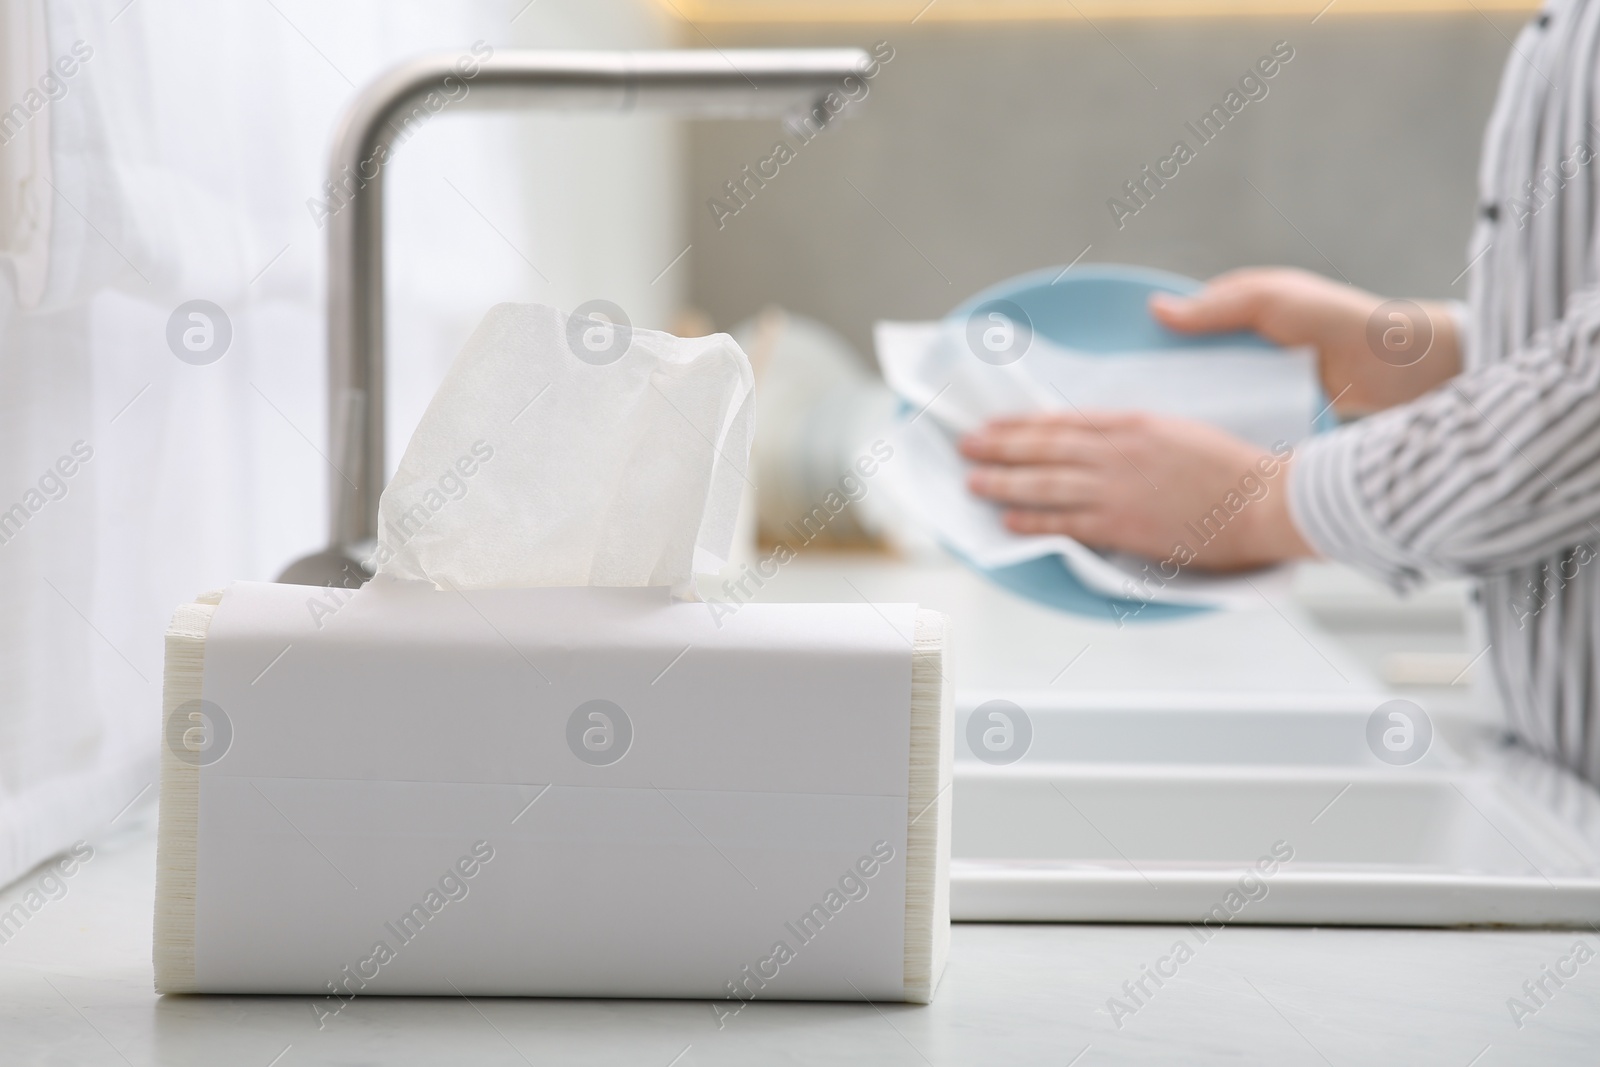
[{"x": 1155, "y": 486}]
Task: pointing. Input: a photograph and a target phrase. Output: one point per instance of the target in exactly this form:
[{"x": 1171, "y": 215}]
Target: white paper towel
[
  {"x": 1261, "y": 395},
  {"x": 1266, "y": 397},
  {"x": 569, "y": 451}
]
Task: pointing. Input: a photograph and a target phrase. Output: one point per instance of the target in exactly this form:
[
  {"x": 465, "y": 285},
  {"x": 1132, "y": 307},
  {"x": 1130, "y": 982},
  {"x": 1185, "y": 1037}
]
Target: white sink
[
  {"x": 1171, "y": 766},
  {"x": 1152, "y": 809}
]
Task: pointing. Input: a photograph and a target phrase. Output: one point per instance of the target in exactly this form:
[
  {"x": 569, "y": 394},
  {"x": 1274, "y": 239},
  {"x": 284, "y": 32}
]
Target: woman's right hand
[{"x": 1369, "y": 358}]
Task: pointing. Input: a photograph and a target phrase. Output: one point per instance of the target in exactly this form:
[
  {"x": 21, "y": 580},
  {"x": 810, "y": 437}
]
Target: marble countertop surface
[{"x": 75, "y": 988}]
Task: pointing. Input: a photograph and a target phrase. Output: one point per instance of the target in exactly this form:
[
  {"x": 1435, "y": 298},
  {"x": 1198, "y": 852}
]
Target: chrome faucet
[{"x": 733, "y": 84}]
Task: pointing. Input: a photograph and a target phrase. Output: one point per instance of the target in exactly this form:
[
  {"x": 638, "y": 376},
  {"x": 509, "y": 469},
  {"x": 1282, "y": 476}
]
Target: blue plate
[{"x": 1094, "y": 308}]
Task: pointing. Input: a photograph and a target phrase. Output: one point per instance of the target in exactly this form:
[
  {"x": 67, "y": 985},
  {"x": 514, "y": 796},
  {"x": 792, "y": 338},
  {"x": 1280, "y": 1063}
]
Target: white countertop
[
  {"x": 1003, "y": 641},
  {"x": 75, "y": 988}
]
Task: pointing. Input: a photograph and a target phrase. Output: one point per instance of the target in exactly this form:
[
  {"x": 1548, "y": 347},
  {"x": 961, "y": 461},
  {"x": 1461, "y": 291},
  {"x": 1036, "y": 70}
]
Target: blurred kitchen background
[{"x": 990, "y": 147}]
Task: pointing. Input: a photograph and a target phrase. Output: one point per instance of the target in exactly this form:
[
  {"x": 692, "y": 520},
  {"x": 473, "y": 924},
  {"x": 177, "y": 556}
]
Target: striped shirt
[{"x": 1496, "y": 474}]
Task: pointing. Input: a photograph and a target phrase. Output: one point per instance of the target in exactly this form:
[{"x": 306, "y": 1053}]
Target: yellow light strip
[{"x": 920, "y": 11}]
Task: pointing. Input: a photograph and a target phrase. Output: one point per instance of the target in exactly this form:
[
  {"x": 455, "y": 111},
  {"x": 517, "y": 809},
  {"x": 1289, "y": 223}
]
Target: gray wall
[{"x": 992, "y": 149}]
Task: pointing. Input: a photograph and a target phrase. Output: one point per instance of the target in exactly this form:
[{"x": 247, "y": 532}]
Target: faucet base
[{"x": 331, "y": 566}]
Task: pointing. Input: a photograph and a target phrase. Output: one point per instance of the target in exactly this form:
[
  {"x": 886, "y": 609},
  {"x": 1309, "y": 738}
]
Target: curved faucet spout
[{"x": 734, "y": 83}]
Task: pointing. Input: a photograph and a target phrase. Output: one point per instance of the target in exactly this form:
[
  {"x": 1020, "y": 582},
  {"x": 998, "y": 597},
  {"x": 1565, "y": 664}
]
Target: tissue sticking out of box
[{"x": 572, "y": 450}]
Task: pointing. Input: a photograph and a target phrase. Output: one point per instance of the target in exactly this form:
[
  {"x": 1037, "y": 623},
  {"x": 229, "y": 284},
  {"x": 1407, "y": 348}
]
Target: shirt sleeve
[{"x": 1495, "y": 468}]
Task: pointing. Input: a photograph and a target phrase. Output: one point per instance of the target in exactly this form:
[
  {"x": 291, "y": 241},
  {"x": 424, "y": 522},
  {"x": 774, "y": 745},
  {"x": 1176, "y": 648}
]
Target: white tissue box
[{"x": 552, "y": 792}]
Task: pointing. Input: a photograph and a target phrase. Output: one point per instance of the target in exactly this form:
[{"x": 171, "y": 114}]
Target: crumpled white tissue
[
  {"x": 1267, "y": 397},
  {"x": 534, "y": 467}
]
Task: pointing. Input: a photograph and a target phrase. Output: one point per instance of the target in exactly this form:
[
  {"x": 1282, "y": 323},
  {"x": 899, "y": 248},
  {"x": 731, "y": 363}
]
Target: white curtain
[{"x": 175, "y": 163}]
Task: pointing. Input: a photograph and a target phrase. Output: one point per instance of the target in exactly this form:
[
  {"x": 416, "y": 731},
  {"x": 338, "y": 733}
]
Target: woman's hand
[
  {"x": 1164, "y": 488},
  {"x": 1370, "y": 356}
]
